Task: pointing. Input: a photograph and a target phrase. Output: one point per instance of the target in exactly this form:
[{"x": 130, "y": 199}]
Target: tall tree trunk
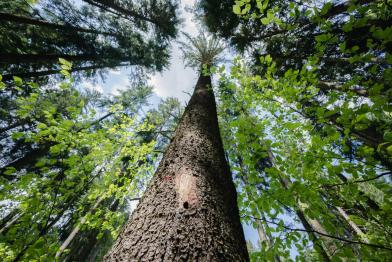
[
  {"x": 265, "y": 237},
  {"x": 189, "y": 211},
  {"x": 15, "y": 217},
  {"x": 65, "y": 27}
]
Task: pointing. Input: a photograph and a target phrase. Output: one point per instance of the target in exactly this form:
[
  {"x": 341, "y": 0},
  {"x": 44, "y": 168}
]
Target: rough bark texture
[{"x": 189, "y": 211}]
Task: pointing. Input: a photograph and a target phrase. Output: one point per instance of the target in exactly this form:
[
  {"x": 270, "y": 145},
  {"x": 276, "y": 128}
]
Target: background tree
[
  {"x": 338, "y": 70},
  {"x": 305, "y": 119},
  {"x": 79, "y": 171},
  {"x": 34, "y": 35},
  {"x": 257, "y": 123}
]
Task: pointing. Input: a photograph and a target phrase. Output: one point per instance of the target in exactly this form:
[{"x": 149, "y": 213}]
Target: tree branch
[
  {"x": 357, "y": 181},
  {"x": 323, "y": 234}
]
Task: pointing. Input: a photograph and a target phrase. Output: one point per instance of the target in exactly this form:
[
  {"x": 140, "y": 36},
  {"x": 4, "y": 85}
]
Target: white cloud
[
  {"x": 115, "y": 80},
  {"x": 114, "y": 71},
  {"x": 176, "y": 81}
]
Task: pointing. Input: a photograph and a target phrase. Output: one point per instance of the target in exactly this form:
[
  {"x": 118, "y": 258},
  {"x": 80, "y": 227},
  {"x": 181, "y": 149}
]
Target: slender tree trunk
[
  {"x": 76, "y": 229},
  {"x": 9, "y": 76},
  {"x": 14, "y": 212},
  {"x": 189, "y": 211},
  {"x": 65, "y": 27},
  {"x": 325, "y": 247},
  {"x": 352, "y": 224},
  {"x": 86, "y": 249},
  {"x": 370, "y": 202},
  {"x": 262, "y": 234},
  {"x": 265, "y": 237},
  {"x": 316, "y": 241},
  {"x": 9, "y": 223}
]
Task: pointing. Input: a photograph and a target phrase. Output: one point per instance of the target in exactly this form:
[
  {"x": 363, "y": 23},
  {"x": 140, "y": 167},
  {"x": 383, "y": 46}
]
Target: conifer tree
[{"x": 189, "y": 211}]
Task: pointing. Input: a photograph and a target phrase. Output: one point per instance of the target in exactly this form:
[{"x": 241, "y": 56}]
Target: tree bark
[
  {"x": 316, "y": 241},
  {"x": 189, "y": 211},
  {"x": 12, "y": 221}
]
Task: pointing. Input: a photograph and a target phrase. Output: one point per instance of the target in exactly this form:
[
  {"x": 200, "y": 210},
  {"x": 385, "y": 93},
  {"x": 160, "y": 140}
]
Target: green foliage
[
  {"x": 259, "y": 120},
  {"x": 316, "y": 94},
  {"x": 201, "y": 51},
  {"x": 63, "y": 164},
  {"x": 305, "y": 119},
  {"x": 91, "y": 34}
]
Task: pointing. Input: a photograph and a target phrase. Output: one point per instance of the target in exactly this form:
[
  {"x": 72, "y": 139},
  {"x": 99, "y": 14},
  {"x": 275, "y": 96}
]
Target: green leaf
[
  {"x": 10, "y": 170},
  {"x": 42, "y": 126},
  {"x": 268, "y": 59},
  {"x": 65, "y": 73},
  {"x": 388, "y": 136},
  {"x": 265, "y": 21},
  {"x": 65, "y": 62},
  {"x": 65, "y": 67},
  {"x": 237, "y": 9},
  {"x": 355, "y": 48},
  {"x": 17, "y": 135},
  {"x": 17, "y": 81},
  {"x": 325, "y": 8},
  {"x": 389, "y": 149}
]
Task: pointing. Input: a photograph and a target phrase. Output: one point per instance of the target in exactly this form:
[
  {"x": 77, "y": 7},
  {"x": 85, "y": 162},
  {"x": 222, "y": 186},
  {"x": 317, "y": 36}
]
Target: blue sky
[{"x": 174, "y": 81}]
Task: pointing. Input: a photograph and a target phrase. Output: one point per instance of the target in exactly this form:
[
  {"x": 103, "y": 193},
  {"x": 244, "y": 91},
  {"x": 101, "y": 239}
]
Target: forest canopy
[{"x": 287, "y": 134}]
